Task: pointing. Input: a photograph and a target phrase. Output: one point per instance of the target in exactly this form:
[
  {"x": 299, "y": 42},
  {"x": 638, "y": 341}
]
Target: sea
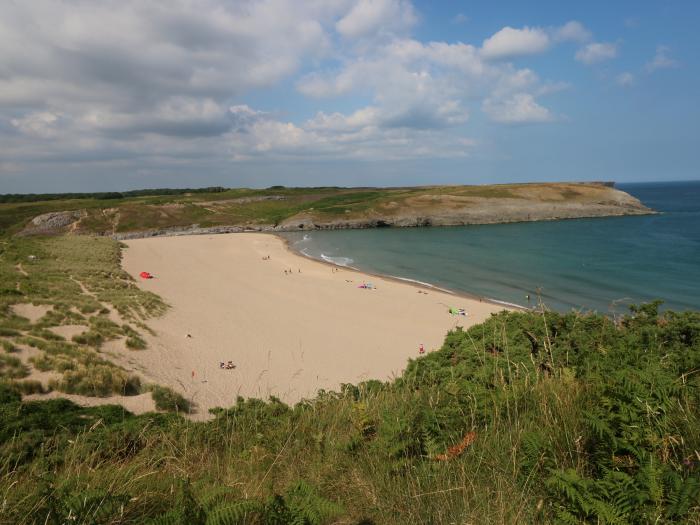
[{"x": 602, "y": 264}]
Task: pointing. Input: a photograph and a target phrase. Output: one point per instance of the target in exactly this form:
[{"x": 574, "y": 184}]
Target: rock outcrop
[{"x": 53, "y": 223}]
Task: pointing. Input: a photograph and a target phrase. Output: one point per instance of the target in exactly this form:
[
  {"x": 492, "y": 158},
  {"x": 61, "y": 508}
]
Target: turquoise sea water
[{"x": 601, "y": 264}]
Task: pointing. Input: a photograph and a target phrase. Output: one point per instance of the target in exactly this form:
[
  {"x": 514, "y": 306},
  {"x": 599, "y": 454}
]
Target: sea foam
[{"x": 340, "y": 261}]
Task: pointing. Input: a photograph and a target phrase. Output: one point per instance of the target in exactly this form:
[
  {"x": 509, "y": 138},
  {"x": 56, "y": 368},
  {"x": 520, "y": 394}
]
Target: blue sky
[{"x": 128, "y": 94}]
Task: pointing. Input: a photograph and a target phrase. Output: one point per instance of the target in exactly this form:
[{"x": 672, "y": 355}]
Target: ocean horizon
[{"x": 601, "y": 264}]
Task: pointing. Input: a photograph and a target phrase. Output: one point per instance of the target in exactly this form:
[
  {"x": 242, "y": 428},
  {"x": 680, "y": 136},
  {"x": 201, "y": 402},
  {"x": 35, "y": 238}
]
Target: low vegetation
[
  {"x": 76, "y": 281},
  {"x": 526, "y": 418},
  {"x": 108, "y": 195},
  {"x": 168, "y": 400}
]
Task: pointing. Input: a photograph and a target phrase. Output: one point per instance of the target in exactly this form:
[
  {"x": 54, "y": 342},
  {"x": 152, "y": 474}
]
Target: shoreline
[
  {"x": 403, "y": 280},
  {"x": 195, "y": 229},
  {"x": 289, "y": 324}
]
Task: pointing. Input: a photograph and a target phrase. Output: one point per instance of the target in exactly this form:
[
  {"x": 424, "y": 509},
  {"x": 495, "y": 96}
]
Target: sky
[{"x": 126, "y": 94}]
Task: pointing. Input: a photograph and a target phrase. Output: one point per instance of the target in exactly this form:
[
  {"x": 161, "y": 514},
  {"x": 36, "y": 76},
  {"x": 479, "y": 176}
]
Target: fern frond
[{"x": 238, "y": 513}]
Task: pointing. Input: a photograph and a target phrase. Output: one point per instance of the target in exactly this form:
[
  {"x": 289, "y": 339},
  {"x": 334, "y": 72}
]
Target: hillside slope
[{"x": 286, "y": 209}]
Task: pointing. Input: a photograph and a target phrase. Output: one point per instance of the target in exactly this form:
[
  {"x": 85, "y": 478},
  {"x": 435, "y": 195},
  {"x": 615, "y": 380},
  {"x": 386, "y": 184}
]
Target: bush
[
  {"x": 134, "y": 340},
  {"x": 29, "y": 386},
  {"x": 89, "y": 338},
  {"x": 169, "y": 400},
  {"x": 12, "y": 368},
  {"x": 135, "y": 343},
  {"x": 8, "y": 346},
  {"x": 97, "y": 380}
]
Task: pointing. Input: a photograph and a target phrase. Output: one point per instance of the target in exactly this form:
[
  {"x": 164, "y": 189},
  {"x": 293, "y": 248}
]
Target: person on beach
[{"x": 421, "y": 350}]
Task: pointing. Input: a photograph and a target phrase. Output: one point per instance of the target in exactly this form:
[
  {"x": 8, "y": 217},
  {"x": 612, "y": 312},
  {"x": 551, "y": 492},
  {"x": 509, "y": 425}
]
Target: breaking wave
[{"x": 340, "y": 261}]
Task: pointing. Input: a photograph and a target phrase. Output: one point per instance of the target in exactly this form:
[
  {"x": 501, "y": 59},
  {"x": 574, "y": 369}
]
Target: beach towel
[{"x": 146, "y": 275}]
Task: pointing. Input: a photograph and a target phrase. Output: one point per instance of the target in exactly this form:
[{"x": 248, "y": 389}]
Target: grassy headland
[{"x": 308, "y": 208}]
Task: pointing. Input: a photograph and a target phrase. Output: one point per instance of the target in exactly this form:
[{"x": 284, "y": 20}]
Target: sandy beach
[{"x": 291, "y": 325}]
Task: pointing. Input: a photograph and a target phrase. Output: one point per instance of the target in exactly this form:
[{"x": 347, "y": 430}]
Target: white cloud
[
  {"x": 572, "y": 31},
  {"x": 372, "y": 17},
  {"x": 520, "y": 108},
  {"x": 357, "y": 136},
  {"x": 417, "y": 85},
  {"x": 149, "y": 86},
  {"x": 174, "y": 116},
  {"x": 127, "y": 54},
  {"x": 661, "y": 60},
  {"x": 625, "y": 79},
  {"x": 596, "y": 52},
  {"x": 42, "y": 124},
  {"x": 510, "y": 42}
]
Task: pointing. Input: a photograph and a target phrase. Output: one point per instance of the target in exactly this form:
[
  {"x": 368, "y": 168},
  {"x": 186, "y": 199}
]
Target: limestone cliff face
[{"x": 524, "y": 203}]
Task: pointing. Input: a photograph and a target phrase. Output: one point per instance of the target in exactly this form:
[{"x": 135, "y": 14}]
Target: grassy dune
[
  {"x": 78, "y": 282},
  {"x": 527, "y": 418}
]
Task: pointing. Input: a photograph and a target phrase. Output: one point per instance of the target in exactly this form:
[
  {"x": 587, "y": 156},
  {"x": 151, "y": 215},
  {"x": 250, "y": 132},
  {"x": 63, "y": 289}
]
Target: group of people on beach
[
  {"x": 290, "y": 272},
  {"x": 227, "y": 366}
]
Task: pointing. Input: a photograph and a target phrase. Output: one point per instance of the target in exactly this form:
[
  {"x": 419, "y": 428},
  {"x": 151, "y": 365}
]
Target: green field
[{"x": 527, "y": 418}]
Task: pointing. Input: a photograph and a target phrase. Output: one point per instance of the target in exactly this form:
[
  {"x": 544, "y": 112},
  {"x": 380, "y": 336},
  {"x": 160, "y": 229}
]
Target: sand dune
[{"x": 288, "y": 334}]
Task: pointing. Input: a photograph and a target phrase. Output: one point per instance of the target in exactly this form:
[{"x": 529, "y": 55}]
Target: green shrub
[
  {"x": 12, "y": 368},
  {"x": 134, "y": 340},
  {"x": 300, "y": 504},
  {"x": 8, "y": 346},
  {"x": 98, "y": 380},
  {"x": 89, "y": 338},
  {"x": 29, "y": 386},
  {"x": 135, "y": 343},
  {"x": 169, "y": 400}
]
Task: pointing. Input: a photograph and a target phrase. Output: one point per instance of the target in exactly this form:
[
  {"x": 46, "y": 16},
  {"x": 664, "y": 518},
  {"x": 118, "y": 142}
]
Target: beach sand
[{"x": 289, "y": 334}]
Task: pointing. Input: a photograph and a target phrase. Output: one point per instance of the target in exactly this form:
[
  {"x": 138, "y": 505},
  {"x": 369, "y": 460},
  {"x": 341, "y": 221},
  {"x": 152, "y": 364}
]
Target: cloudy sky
[{"x": 121, "y": 94}]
